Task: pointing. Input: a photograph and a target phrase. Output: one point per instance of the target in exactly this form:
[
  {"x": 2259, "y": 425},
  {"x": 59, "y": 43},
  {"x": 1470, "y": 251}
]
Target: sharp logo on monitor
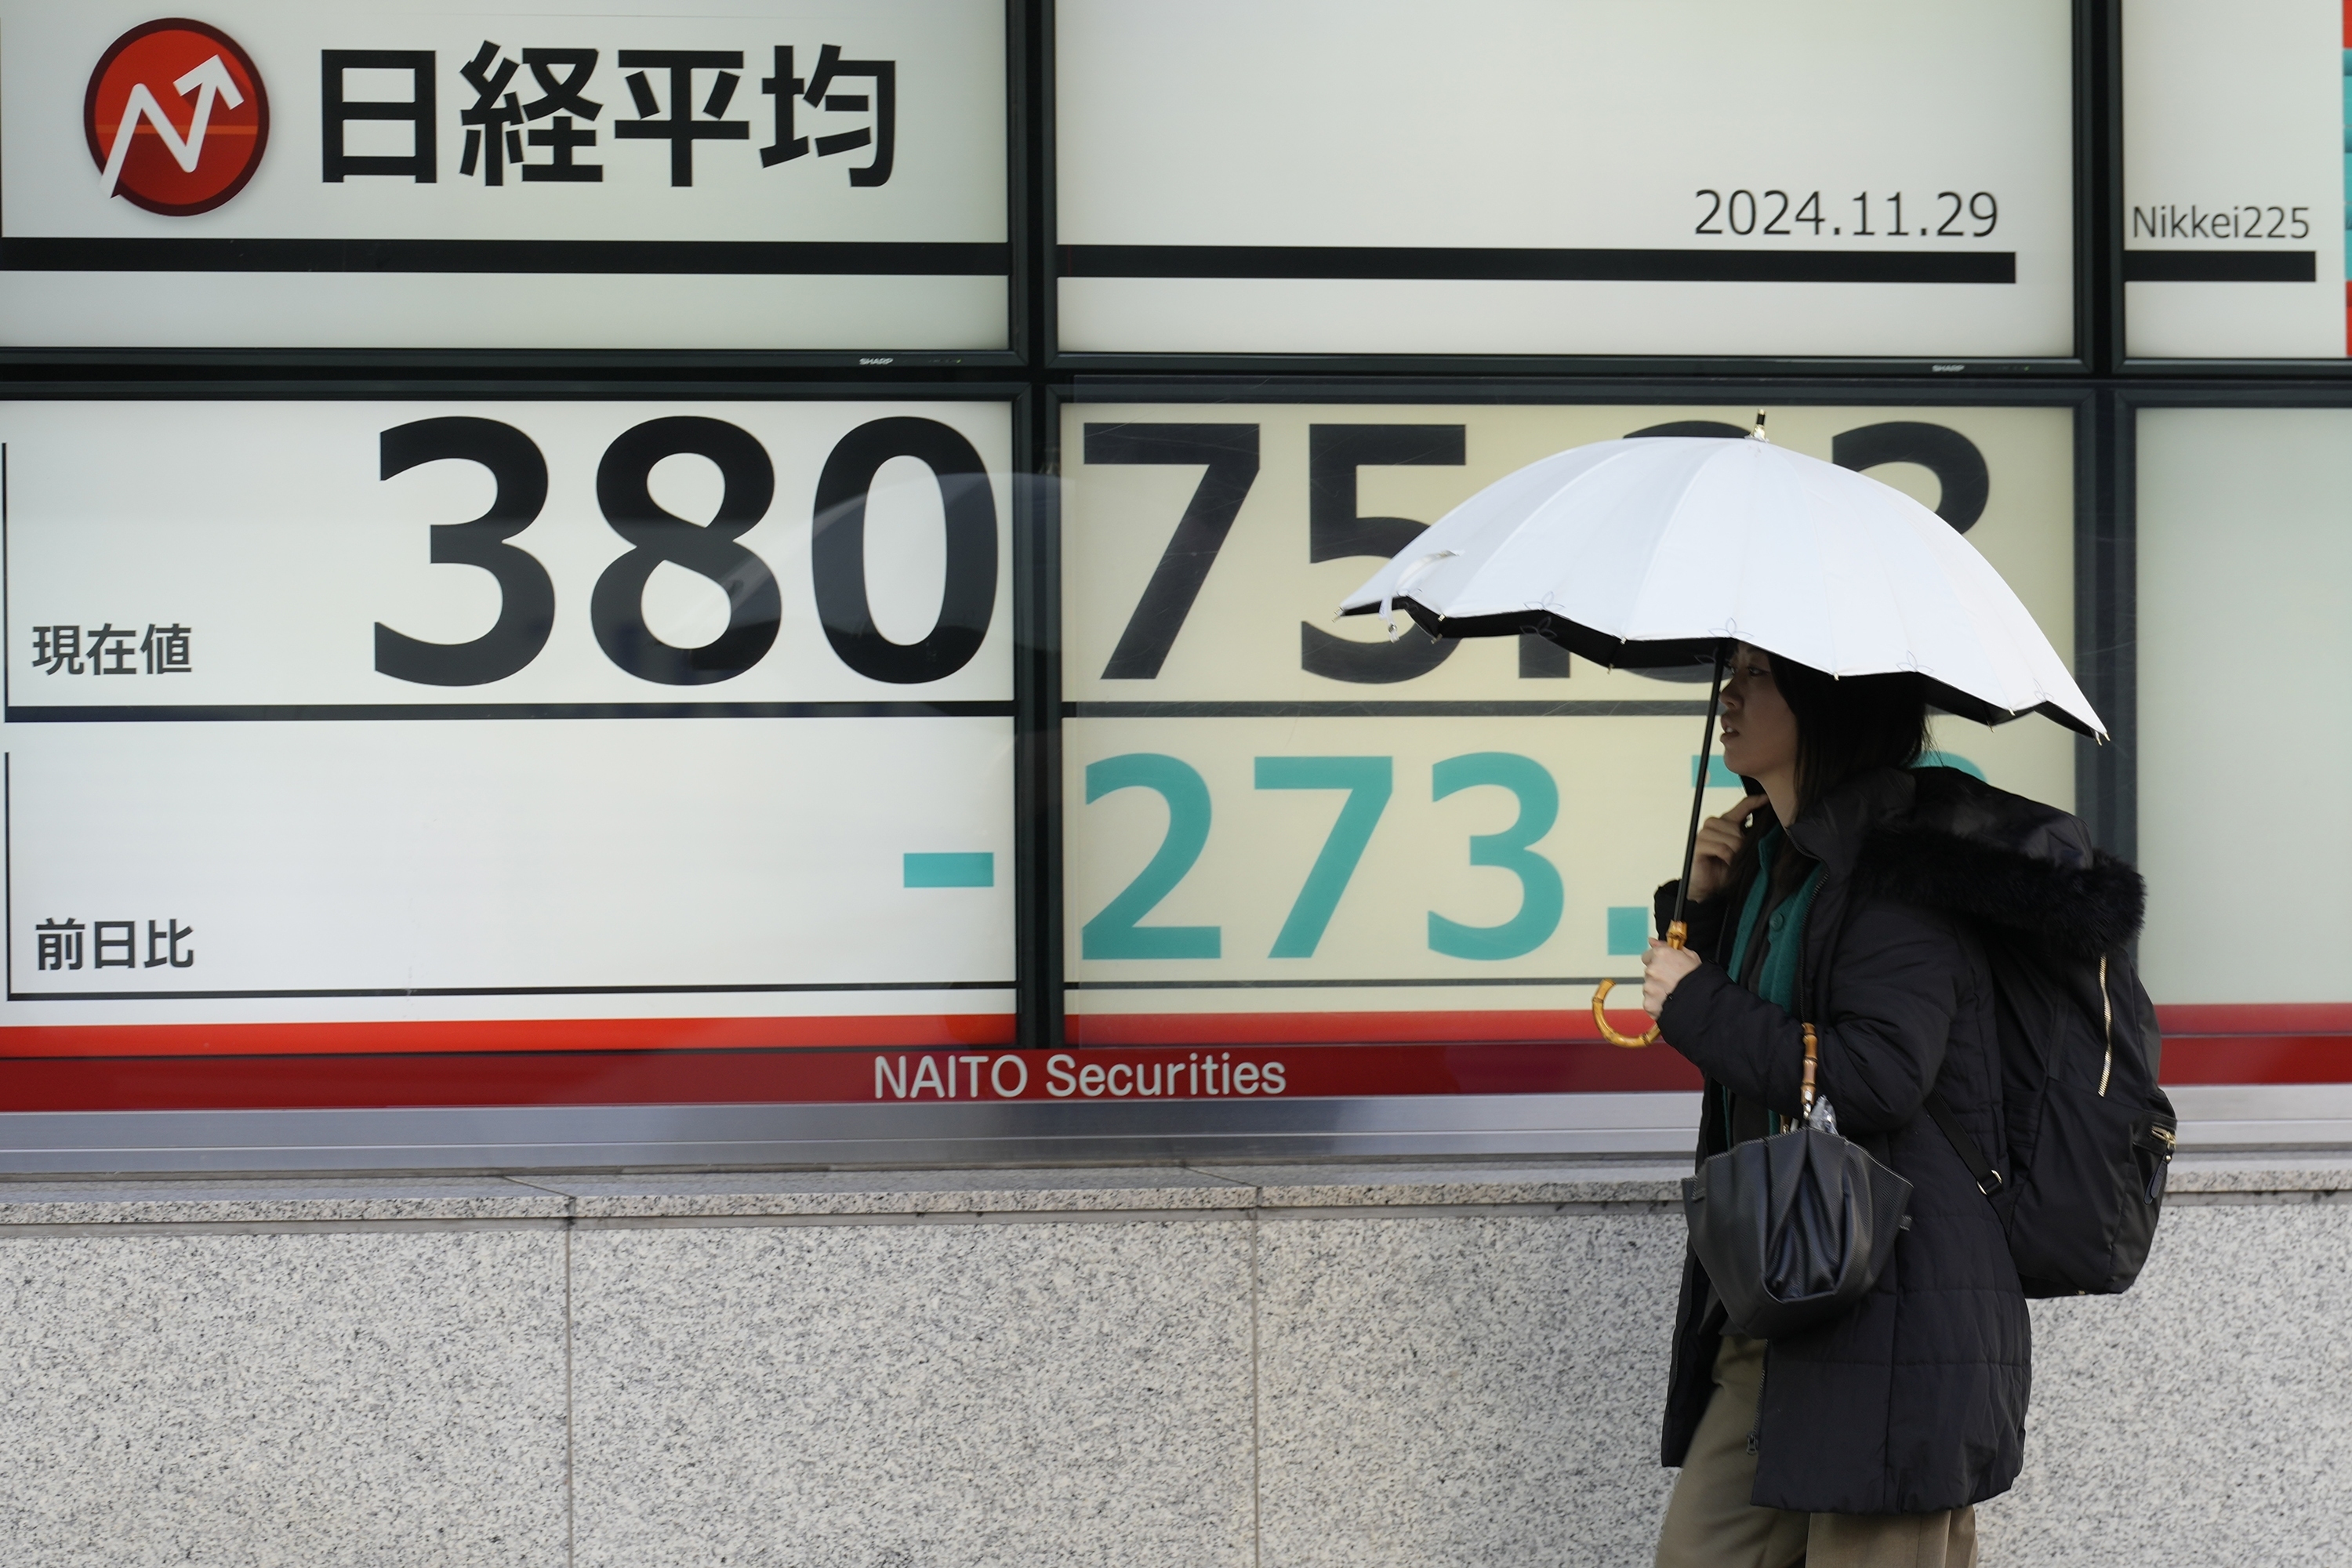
[{"x": 176, "y": 117}]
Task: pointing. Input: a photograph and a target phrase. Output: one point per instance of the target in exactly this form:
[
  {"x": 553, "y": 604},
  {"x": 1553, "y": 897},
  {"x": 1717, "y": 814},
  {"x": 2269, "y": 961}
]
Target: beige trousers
[{"x": 1710, "y": 1523}]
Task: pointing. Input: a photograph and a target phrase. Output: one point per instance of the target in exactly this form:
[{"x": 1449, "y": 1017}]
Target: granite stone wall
[{"x": 1292, "y": 1365}]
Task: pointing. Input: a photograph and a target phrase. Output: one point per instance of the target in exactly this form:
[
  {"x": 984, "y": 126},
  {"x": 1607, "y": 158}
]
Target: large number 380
[{"x": 754, "y": 604}]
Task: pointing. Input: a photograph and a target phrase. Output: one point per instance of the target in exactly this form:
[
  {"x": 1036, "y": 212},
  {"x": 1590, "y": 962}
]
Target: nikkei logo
[{"x": 176, "y": 117}]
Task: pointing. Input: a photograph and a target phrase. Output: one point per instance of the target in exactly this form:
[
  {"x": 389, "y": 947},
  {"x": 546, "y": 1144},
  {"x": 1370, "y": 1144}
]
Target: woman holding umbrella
[
  {"x": 1833, "y": 926},
  {"x": 1868, "y": 1439}
]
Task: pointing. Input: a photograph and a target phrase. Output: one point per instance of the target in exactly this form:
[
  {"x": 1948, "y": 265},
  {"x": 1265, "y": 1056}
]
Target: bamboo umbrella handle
[
  {"x": 1677, "y": 936},
  {"x": 1677, "y": 932}
]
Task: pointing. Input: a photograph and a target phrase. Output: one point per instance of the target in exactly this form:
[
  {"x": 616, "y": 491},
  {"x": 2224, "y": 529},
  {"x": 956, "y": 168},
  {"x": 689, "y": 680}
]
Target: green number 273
[{"x": 1117, "y": 931}]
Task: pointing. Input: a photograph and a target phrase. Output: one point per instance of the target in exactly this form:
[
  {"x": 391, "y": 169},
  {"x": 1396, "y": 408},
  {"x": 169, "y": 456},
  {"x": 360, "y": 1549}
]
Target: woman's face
[{"x": 1759, "y": 732}]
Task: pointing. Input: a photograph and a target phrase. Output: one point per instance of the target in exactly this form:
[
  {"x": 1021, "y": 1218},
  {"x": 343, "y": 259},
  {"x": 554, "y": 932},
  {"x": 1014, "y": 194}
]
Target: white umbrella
[
  {"x": 1653, "y": 551},
  {"x": 1658, "y": 550}
]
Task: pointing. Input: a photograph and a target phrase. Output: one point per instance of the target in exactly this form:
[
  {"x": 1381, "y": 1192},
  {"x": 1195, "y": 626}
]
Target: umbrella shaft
[{"x": 1699, "y": 785}]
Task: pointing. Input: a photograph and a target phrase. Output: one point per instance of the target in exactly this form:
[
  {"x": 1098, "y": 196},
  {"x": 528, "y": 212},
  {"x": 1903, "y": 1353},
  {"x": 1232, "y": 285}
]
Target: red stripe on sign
[
  {"x": 446, "y": 1036},
  {"x": 2257, "y": 1042},
  {"x": 442, "y": 1036},
  {"x": 2258, "y": 1058},
  {"x": 828, "y": 1077},
  {"x": 608, "y": 1062}
]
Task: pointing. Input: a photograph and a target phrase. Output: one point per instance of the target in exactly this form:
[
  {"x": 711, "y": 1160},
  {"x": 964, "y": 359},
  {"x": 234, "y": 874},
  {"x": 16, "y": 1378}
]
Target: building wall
[{"x": 1368, "y": 1365}]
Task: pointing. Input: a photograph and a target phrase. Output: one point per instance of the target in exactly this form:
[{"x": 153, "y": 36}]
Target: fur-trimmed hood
[
  {"x": 1956, "y": 843},
  {"x": 2079, "y": 911}
]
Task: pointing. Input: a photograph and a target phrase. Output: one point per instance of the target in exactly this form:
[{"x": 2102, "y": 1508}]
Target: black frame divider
[
  {"x": 2098, "y": 188},
  {"x": 1037, "y": 729},
  {"x": 1037, "y": 670},
  {"x": 2106, "y": 776}
]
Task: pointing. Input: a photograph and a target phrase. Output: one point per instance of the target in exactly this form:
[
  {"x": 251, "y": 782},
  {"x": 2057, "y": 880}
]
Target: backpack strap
[{"x": 1989, "y": 1181}]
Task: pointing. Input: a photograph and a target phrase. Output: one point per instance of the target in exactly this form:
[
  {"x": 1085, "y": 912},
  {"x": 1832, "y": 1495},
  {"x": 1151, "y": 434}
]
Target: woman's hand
[
  {"x": 1720, "y": 839},
  {"x": 1663, "y": 969}
]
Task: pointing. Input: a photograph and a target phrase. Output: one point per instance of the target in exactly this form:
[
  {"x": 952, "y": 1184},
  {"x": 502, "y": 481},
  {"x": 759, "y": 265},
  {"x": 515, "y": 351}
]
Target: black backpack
[
  {"x": 2089, "y": 1129},
  {"x": 2090, "y": 1133}
]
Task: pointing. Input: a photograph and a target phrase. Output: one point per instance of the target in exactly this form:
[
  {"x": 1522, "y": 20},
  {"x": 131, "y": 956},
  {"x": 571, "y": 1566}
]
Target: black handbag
[{"x": 1795, "y": 1228}]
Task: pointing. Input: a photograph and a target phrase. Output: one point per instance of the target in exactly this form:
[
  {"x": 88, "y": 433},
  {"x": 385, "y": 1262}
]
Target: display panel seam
[
  {"x": 732, "y": 989},
  {"x": 1638, "y": 708},
  {"x": 1440, "y": 983},
  {"x": 939, "y": 258},
  {"x": 34, "y": 1231},
  {"x": 330, "y": 712},
  {"x": 38, "y": 1230}
]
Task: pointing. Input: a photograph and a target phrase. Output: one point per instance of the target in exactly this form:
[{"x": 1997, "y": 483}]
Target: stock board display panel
[
  {"x": 1834, "y": 178},
  {"x": 745, "y": 174},
  {"x": 357, "y": 752},
  {"x": 1402, "y": 866},
  {"x": 2236, "y": 179},
  {"x": 2241, "y": 523}
]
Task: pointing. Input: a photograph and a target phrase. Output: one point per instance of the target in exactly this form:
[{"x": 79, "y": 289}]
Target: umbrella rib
[
  {"x": 1650, "y": 563},
  {"x": 1521, "y": 528}
]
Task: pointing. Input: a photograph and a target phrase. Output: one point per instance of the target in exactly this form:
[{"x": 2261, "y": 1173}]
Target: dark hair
[
  {"x": 1845, "y": 727},
  {"x": 1850, "y": 726}
]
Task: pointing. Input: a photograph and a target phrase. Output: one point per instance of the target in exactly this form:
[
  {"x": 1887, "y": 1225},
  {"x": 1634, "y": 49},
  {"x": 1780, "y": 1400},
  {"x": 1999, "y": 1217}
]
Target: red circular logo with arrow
[{"x": 176, "y": 117}]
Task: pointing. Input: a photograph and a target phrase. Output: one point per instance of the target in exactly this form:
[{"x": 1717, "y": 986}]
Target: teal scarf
[
  {"x": 1776, "y": 980},
  {"x": 1775, "y": 977}
]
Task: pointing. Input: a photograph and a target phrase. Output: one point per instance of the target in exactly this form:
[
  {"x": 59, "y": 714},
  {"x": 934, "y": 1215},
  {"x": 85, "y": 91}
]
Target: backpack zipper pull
[{"x": 2107, "y": 1022}]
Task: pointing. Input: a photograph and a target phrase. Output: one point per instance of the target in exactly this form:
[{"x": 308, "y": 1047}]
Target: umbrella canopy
[{"x": 1654, "y": 550}]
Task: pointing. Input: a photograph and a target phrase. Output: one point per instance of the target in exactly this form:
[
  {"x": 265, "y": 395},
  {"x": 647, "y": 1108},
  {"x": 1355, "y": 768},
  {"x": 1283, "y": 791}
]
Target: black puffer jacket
[{"x": 1915, "y": 1401}]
